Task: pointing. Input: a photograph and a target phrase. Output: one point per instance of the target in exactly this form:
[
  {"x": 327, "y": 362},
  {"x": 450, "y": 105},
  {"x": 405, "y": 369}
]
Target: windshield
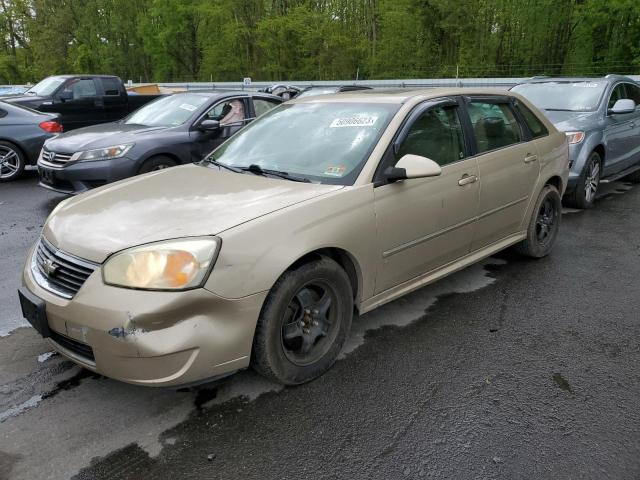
[
  {"x": 167, "y": 111},
  {"x": 580, "y": 96},
  {"x": 309, "y": 92},
  {"x": 320, "y": 142},
  {"x": 47, "y": 86}
]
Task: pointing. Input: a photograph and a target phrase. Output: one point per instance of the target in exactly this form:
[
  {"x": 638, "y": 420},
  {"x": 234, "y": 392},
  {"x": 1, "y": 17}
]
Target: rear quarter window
[{"x": 536, "y": 127}]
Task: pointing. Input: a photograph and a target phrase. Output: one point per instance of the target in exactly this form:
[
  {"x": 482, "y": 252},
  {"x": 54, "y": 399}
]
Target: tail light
[{"x": 51, "y": 127}]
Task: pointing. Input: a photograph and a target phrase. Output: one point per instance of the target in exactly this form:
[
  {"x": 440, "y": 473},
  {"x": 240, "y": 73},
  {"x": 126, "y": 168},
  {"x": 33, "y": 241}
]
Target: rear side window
[
  {"x": 111, "y": 86},
  {"x": 494, "y": 125},
  {"x": 262, "y": 106},
  {"x": 436, "y": 134},
  {"x": 536, "y": 127}
]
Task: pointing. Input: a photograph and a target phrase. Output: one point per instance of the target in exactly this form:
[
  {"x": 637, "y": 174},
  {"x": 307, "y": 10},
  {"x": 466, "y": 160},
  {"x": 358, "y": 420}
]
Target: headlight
[
  {"x": 116, "y": 151},
  {"x": 574, "y": 137},
  {"x": 169, "y": 265}
]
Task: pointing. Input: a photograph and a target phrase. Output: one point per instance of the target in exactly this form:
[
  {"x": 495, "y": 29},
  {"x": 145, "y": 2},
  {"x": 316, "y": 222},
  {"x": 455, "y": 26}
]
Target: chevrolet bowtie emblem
[{"x": 49, "y": 267}]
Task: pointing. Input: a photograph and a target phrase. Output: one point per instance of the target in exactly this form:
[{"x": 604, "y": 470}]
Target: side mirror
[
  {"x": 65, "y": 95},
  {"x": 624, "y": 105},
  {"x": 413, "y": 166},
  {"x": 209, "y": 125}
]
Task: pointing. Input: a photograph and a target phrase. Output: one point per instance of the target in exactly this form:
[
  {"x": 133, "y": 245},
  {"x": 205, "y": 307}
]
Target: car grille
[
  {"x": 81, "y": 349},
  {"x": 54, "y": 159},
  {"x": 59, "y": 272}
]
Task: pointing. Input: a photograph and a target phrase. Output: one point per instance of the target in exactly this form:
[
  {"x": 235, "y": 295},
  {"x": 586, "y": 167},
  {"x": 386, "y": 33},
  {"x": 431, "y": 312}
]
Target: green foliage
[{"x": 280, "y": 40}]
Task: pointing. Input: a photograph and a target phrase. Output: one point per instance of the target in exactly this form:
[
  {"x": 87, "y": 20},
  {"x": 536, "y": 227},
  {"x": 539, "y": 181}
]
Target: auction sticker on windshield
[
  {"x": 335, "y": 170},
  {"x": 355, "y": 121}
]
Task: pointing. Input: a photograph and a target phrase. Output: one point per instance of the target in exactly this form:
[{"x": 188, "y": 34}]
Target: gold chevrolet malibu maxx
[{"x": 260, "y": 254}]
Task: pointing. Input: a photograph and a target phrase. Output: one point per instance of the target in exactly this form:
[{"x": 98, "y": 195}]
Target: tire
[
  {"x": 289, "y": 346},
  {"x": 584, "y": 195},
  {"x": 544, "y": 224},
  {"x": 12, "y": 162},
  {"x": 157, "y": 163}
]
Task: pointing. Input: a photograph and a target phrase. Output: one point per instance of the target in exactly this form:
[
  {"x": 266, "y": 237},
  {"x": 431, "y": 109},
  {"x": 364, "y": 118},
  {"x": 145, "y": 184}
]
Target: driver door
[
  {"x": 424, "y": 224},
  {"x": 232, "y": 113}
]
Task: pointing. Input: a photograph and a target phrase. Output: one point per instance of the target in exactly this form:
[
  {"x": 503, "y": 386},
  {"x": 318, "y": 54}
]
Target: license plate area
[{"x": 34, "y": 310}]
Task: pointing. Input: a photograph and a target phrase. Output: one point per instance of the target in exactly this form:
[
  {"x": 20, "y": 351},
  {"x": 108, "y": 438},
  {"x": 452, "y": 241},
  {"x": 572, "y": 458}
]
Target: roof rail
[{"x": 538, "y": 77}]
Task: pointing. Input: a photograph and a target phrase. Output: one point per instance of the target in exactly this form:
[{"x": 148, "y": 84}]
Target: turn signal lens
[
  {"x": 574, "y": 137},
  {"x": 171, "y": 265}
]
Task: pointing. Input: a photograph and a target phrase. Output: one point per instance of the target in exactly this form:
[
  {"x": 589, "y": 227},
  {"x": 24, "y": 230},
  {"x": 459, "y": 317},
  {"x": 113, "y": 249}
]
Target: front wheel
[
  {"x": 584, "y": 195},
  {"x": 544, "y": 224},
  {"x": 304, "y": 323},
  {"x": 159, "y": 162}
]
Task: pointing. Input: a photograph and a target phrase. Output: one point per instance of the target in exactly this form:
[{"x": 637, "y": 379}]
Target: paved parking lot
[{"x": 512, "y": 368}]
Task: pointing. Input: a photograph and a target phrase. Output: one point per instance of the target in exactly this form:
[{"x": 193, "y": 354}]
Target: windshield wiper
[
  {"x": 258, "y": 170},
  {"x": 218, "y": 164}
]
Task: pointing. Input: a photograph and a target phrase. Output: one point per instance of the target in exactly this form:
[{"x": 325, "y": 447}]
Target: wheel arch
[
  {"x": 556, "y": 181},
  {"x": 23, "y": 151},
  {"x": 343, "y": 258},
  {"x": 153, "y": 155},
  {"x": 599, "y": 149}
]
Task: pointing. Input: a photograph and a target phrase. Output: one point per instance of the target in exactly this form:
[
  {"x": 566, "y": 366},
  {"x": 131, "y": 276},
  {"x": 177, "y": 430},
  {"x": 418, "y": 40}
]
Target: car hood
[
  {"x": 185, "y": 201},
  {"x": 99, "y": 136},
  {"x": 571, "y": 121}
]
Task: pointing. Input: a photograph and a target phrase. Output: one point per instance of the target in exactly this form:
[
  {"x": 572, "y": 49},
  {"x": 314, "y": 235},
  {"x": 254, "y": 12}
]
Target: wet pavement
[{"x": 512, "y": 368}]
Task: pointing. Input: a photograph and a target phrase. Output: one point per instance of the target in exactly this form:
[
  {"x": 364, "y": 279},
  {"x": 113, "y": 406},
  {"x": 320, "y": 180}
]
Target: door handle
[
  {"x": 467, "y": 179},
  {"x": 530, "y": 158}
]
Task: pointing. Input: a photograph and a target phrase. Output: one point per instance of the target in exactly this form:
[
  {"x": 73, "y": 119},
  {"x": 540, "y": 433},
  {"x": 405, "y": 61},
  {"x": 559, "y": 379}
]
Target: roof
[
  {"x": 399, "y": 96},
  {"x": 608, "y": 78},
  {"x": 227, "y": 93}
]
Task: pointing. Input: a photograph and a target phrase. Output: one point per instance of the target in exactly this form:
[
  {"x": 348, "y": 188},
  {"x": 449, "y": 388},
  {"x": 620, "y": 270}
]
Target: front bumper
[
  {"x": 79, "y": 177},
  {"x": 151, "y": 338}
]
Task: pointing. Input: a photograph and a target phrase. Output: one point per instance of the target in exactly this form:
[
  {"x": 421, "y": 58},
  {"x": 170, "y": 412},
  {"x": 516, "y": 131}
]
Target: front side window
[
  {"x": 536, "y": 127},
  {"x": 617, "y": 94},
  {"x": 494, "y": 125},
  {"x": 81, "y": 88},
  {"x": 326, "y": 142},
  {"x": 169, "y": 111},
  {"x": 437, "y": 135},
  {"x": 228, "y": 112},
  {"x": 633, "y": 92}
]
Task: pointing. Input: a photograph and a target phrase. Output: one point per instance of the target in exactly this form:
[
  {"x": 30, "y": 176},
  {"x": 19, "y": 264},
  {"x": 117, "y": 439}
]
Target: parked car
[
  {"x": 318, "y": 90},
  {"x": 260, "y": 253},
  {"x": 286, "y": 92},
  {"x": 170, "y": 131},
  {"x": 22, "y": 133},
  {"x": 81, "y": 100},
  {"x": 602, "y": 121}
]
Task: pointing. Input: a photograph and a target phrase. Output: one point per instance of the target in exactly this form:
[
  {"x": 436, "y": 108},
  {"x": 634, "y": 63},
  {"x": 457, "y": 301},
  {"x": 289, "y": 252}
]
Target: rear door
[
  {"x": 426, "y": 223},
  {"x": 508, "y": 167},
  {"x": 79, "y": 103},
  {"x": 232, "y": 113}
]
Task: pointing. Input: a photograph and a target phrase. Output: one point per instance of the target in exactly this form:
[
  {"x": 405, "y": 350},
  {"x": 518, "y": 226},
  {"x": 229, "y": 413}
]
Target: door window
[
  {"x": 81, "y": 88},
  {"x": 262, "y": 106},
  {"x": 228, "y": 112},
  {"x": 111, "y": 86},
  {"x": 436, "y": 134},
  {"x": 633, "y": 92},
  {"x": 535, "y": 125},
  {"x": 617, "y": 94},
  {"x": 494, "y": 125}
]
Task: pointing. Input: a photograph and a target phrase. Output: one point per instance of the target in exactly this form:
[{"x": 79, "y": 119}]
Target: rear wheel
[
  {"x": 584, "y": 194},
  {"x": 544, "y": 224},
  {"x": 157, "y": 163},
  {"x": 304, "y": 323},
  {"x": 12, "y": 162}
]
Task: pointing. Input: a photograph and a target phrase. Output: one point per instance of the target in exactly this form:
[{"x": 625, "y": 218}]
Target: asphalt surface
[{"x": 512, "y": 368}]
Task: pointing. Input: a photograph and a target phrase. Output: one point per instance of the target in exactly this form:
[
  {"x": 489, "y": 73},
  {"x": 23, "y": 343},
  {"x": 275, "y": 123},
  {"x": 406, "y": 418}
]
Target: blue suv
[{"x": 601, "y": 117}]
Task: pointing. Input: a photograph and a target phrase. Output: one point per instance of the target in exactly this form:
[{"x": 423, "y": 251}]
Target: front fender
[{"x": 254, "y": 255}]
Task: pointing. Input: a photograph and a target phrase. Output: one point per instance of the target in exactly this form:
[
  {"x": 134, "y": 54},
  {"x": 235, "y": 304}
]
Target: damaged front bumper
[{"x": 150, "y": 337}]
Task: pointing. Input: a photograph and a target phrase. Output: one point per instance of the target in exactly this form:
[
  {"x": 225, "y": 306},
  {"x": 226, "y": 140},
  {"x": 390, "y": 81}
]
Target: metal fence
[{"x": 407, "y": 83}]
